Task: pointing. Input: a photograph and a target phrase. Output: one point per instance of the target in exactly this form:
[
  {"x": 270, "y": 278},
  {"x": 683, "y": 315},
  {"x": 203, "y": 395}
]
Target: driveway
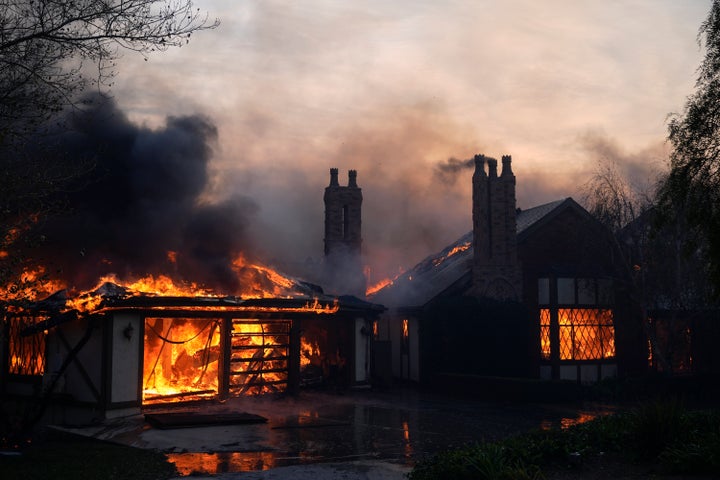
[{"x": 353, "y": 435}]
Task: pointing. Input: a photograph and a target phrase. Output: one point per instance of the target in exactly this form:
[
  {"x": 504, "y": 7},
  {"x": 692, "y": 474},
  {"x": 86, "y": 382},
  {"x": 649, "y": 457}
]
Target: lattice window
[
  {"x": 586, "y": 334},
  {"x": 26, "y": 355},
  {"x": 545, "y": 333}
]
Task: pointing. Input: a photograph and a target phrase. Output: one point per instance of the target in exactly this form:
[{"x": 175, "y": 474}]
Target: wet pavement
[{"x": 353, "y": 435}]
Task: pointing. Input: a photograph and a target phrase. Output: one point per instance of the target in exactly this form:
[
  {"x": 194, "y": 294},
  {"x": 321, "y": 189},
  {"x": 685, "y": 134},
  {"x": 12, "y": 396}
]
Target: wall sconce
[{"x": 128, "y": 331}]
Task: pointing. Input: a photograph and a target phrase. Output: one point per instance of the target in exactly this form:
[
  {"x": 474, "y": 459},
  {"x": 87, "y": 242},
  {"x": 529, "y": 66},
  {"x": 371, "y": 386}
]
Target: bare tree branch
[{"x": 45, "y": 45}]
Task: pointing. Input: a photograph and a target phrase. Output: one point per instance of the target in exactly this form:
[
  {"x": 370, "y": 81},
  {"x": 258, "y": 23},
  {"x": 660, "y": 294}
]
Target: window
[
  {"x": 581, "y": 310},
  {"x": 586, "y": 334},
  {"x": 545, "y": 333},
  {"x": 543, "y": 291},
  {"x": 26, "y": 353}
]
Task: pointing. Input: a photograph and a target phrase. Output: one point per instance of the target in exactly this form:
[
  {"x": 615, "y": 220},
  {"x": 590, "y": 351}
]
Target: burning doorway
[
  {"x": 183, "y": 357},
  {"x": 180, "y": 358}
]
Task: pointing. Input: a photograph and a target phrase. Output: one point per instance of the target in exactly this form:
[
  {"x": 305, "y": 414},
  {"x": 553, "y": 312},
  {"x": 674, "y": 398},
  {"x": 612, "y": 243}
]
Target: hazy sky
[{"x": 393, "y": 89}]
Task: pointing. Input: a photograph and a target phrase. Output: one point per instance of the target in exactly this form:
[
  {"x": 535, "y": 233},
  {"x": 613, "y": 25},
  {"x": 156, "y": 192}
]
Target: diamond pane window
[
  {"x": 545, "y": 333},
  {"x": 586, "y": 334},
  {"x": 26, "y": 354}
]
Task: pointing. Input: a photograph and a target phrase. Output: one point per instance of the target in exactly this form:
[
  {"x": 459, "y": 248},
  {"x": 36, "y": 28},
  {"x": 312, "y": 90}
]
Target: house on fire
[
  {"x": 113, "y": 351},
  {"x": 118, "y": 349},
  {"x": 537, "y": 293}
]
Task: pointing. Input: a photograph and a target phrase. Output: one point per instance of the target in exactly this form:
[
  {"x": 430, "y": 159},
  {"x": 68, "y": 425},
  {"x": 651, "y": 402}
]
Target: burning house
[
  {"x": 527, "y": 293},
  {"x": 194, "y": 316},
  {"x": 116, "y": 350},
  {"x": 125, "y": 346}
]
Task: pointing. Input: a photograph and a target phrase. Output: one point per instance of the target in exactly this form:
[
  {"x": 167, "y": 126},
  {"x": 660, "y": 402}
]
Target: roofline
[{"x": 552, "y": 214}]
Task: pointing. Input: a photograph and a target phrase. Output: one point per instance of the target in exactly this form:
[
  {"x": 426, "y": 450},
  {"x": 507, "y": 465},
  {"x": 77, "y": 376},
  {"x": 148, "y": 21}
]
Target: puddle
[{"x": 400, "y": 432}]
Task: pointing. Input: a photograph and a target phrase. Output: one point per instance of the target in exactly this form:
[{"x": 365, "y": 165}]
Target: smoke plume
[
  {"x": 139, "y": 211},
  {"x": 448, "y": 171}
]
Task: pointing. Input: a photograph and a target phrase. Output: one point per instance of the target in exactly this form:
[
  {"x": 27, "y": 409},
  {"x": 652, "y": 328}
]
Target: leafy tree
[{"x": 692, "y": 190}]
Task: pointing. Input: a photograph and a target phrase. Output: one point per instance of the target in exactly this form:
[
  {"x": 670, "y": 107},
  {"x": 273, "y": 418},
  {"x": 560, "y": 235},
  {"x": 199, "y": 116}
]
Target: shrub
[
  {"x": 655, "y": 426},
  {"x": 662, "y": 432},
  {"x": 485, "y": 461}
]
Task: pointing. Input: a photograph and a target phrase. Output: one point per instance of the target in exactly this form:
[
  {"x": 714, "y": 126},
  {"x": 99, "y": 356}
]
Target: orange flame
[
  {"x": 376, "y": 287},
  {"x": 456, "y": 249},
  {"x": 31, "y": 285}
]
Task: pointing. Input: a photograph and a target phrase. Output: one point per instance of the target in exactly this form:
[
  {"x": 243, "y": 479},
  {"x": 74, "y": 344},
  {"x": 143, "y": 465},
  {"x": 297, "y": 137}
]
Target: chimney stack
[
  {"x": 334, "y": 177},
  {"x": 496, "y": 268},
  {"x": 343, "y": 237},
  {"x": 352, "y": 178}
]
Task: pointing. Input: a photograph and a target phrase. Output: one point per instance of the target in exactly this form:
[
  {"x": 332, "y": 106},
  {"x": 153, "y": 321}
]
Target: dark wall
[{"x": 462, "y": 334}]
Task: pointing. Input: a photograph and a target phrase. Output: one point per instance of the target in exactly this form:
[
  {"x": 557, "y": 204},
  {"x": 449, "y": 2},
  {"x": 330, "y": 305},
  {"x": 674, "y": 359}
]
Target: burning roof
[
  {"x": 452, "y": 266},
  {"x": 109, "y": 296}
]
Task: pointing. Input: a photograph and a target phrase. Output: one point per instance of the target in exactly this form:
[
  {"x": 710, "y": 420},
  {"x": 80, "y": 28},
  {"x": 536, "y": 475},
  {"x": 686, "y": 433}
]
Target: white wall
[
  {"x": 362, "y": 362},
  {"x": 125, "y": 361}
]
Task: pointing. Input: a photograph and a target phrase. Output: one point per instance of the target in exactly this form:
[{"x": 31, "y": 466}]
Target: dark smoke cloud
[
  {"x": 141, "y": 201},
  {"x": 449, "y": 171}
]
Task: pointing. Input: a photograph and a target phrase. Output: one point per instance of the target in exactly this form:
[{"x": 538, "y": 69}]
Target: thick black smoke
[
  {"x": 449, "y": 171},
  {"x": 138, "y": 211}
]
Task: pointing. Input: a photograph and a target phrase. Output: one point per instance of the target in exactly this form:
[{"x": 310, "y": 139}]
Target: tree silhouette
[
  {"x": 51, "y": 50},
  {"x": 692, "y": 189}
]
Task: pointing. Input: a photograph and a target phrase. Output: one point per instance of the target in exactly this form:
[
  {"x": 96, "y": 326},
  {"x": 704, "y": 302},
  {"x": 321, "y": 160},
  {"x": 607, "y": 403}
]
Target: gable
[{"x": 568, "y": 241}]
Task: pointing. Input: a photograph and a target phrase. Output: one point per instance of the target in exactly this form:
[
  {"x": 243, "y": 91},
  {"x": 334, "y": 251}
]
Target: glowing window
[
  {"x": 26, "y": 353},
  {"x": 583, "y": 333},
  {"x": 545, "y": 333},
  {"x": 586, "y": 334}
]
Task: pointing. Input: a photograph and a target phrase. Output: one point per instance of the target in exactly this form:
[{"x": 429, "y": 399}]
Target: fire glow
[
  {"x": 453, "y": 251},
  {"x": 184, "y": 326}
]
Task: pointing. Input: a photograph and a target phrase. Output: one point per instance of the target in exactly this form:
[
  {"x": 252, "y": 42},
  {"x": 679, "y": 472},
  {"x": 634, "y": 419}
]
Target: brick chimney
[
  {"x": 343, "y": 238},
  {"x": 496, "y": 268}
]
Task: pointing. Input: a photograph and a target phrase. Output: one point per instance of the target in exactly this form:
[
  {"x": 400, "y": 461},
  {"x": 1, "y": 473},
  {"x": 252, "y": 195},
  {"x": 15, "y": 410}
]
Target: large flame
[
  {"x": 254, "y": 279},
  {"x": 30, "y": 285},
  {"x": 181, "y": 356}
]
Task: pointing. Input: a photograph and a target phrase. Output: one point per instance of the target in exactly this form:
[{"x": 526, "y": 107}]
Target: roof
[
  {"x": 451, "y": 266},
  {"x": 111, "y": 297}
]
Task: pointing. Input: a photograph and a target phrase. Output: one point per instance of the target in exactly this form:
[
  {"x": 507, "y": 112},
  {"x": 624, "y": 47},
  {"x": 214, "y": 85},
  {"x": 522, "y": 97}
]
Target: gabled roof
[{"x": 453, "y": 264}]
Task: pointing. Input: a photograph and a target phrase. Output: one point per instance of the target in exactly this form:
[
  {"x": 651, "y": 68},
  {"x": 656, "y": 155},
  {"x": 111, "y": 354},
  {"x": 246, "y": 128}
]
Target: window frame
[{"x": 564, "y": 311}]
